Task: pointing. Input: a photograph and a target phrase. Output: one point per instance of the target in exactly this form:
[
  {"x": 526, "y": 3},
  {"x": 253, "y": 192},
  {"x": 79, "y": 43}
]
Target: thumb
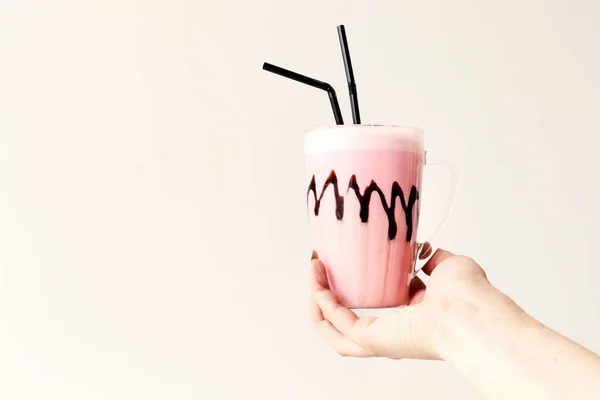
[
  {"x": 396, "y": 335},
  {"x": 401, "y": 334}
]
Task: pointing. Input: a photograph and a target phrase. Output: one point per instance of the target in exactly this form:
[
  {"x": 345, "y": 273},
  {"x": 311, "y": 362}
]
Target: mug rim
[
  {"x": 363, "y": 137},
  {"x": 399, "y": 129}
]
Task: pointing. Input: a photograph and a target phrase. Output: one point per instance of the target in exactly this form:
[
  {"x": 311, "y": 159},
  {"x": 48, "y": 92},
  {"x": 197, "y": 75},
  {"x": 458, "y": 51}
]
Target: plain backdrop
[{"x": 153, "y": 238}]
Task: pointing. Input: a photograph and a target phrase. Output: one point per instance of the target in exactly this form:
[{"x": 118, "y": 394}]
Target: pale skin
[{"x": 461, "y": 318}]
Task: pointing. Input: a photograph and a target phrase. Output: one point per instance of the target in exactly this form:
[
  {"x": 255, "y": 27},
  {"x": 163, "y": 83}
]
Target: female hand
[
  {"x": 460, "y": 317},
  {"x": 457, "y": 288}
]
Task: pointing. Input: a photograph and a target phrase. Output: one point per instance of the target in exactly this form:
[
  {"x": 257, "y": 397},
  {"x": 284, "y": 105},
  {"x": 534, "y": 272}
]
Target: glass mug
[{"x": 363, "y": 197}]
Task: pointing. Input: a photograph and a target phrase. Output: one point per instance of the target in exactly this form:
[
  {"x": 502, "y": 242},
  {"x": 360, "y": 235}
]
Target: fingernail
[
  {"x": 425, "y": 251},
  {"x": 314, "y": 255}
]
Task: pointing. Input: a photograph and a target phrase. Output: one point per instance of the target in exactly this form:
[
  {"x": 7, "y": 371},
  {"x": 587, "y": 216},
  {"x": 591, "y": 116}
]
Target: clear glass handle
[{"x": 439, "y": 161}]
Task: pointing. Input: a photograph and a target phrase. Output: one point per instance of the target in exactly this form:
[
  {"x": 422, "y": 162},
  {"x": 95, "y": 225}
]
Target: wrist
[{"x": 478, "y": 324}]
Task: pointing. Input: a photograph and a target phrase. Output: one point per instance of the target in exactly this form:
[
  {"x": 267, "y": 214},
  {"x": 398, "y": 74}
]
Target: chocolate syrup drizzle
[{"x": 364, "y": 200}]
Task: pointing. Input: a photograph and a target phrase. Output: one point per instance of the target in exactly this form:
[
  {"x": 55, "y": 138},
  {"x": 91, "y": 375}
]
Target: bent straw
[
  {"x": 335, "y": 106},
  {"x": 349, "y": 73}
]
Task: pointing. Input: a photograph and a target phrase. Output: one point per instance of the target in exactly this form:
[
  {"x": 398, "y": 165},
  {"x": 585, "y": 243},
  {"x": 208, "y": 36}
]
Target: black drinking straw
[
  {"x": 337, "y": 113},
  {"x": 349, "y": 73}
]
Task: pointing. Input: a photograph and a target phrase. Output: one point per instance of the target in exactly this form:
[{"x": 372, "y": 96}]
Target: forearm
[{"x": 506, "y": 354}]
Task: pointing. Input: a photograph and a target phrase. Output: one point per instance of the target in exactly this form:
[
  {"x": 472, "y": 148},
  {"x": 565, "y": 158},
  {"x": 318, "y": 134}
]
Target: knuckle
[
  {"x": 360, "y": 332},
  {"x": 471, "y": 266},
  {"x": 464, "y": 260},
  {"x": 320, "y": 299},
  {"x": 363, "y": 324},
  {"x": 335, "y": 306}
]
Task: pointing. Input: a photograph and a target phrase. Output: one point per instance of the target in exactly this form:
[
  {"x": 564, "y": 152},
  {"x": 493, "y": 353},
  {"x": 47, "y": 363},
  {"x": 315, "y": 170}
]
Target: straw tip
[
  {"x": 341, "y": 28},
  {"x": 269, "y": 67}
]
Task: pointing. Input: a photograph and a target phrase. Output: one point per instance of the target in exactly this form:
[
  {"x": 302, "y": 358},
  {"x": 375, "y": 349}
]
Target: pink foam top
[{"x": 363, "y": 137}]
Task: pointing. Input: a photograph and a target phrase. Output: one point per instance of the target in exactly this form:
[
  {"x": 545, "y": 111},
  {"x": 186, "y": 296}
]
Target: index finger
[{"x": 341, "y": 317}]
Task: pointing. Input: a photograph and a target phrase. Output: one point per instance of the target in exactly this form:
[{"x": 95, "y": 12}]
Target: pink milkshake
[{"x": 363, "y": 185}]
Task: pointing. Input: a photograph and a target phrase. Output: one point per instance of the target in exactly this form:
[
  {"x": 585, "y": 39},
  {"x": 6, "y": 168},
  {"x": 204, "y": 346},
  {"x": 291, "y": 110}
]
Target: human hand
[
  {"x": 456, "y": 286},
  {"x": 461, "y": 318}
]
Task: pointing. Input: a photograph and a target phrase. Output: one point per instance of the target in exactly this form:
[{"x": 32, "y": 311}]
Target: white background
[{"x": 152, "y": 221}]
